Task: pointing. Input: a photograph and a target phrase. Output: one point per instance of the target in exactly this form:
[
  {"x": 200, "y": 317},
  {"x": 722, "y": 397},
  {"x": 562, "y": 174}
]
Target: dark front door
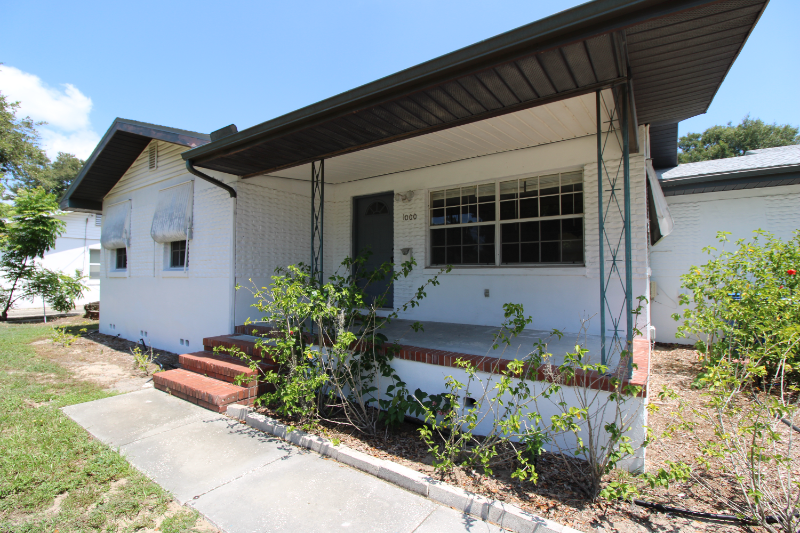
[{"x": 373, "y": 230}]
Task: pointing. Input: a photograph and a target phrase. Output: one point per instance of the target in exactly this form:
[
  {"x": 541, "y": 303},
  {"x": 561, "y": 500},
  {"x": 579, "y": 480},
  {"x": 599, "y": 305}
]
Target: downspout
[
  {"x": 213, "y": 181},
  {"x": 232, "y": 192}
]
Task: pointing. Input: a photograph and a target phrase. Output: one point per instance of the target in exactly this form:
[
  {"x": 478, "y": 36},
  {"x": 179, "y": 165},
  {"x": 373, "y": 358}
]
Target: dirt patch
[
  {"x": 102, "y": 359},
  {"x": 555, "y": 496}
]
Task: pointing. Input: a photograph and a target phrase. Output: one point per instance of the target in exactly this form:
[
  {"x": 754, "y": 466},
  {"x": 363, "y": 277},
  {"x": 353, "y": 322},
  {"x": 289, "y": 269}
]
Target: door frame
[{"x": 354, "y": 226}]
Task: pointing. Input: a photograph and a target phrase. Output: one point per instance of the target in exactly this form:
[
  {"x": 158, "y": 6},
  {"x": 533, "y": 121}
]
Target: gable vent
[{"x": 153, "y": 156}]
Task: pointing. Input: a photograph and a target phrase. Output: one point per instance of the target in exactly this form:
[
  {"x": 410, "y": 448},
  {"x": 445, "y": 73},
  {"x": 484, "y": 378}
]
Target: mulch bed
[{"x": 555, "y": 495}]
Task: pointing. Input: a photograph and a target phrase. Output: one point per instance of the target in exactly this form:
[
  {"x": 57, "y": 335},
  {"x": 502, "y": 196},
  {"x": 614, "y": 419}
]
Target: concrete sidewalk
[{"x": 245, "y": 481}]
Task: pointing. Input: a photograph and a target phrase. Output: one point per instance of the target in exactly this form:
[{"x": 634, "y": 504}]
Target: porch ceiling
[
  {"x": 554, "y": 122},
  {"x": 677, "y": 52}
]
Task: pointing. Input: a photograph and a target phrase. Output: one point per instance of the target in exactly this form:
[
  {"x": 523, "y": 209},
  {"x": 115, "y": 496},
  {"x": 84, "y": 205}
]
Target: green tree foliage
[
  {"x": 719, "y": 142},
  {"x": 21, "y": 158},
  {"x": 27, "y": 236},
  {"x": 23, "y": 163},
  {"x": 55, "y": 177}
]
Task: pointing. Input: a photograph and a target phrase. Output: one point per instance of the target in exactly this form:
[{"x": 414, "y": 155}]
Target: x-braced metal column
[
  {"x": 317, "y": 218},
  {"x": 614, "y": 231}
]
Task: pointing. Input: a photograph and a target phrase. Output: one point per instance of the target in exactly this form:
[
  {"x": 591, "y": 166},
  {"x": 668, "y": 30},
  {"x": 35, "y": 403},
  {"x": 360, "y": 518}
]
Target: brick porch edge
[
  {"x": 495, "y": 365},
  {"x": 502, "y": 514}
]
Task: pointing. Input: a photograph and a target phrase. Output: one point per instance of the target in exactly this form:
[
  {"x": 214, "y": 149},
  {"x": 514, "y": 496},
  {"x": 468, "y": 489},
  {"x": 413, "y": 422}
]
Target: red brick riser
[{"x": 492, "y": 365}]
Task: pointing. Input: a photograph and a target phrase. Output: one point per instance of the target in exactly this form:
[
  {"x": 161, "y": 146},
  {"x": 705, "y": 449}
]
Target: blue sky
[{"x": 201, "y": 65}]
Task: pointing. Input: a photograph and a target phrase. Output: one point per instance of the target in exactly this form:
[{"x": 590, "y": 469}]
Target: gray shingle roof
[{"x": 766, "y": 158}]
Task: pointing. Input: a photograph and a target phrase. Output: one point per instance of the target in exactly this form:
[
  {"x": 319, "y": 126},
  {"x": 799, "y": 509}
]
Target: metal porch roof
[
  {"x": 114, "y": 154},
  {"x": 676, "y": 52}
]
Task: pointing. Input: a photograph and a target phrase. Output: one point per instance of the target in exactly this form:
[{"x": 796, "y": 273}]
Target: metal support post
[
  {"x": 317, "y": 218},
  {"x": 614, "y": 231}
]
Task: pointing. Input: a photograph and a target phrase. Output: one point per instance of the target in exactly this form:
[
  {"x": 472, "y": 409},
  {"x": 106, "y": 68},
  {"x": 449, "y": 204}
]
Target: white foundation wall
[
  {"x": 147, "y": 300},
  {"x": 71, "y": 253},
  {"x": 698, "y": 218}
]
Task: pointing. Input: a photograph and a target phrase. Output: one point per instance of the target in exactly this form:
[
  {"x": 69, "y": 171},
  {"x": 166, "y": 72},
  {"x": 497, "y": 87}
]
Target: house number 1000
[{"x": 410, "y": 217}]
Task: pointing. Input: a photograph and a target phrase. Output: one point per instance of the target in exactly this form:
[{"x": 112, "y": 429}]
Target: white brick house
[{"x": 486, "y": 159}]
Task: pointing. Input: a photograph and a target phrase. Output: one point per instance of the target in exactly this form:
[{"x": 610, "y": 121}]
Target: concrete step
[
  {"x": 204, "y": 391},
  {"x": 245, "y": 343}
]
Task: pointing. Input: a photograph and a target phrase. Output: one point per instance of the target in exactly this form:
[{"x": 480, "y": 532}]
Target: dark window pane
[
  {"x": 529, "y": 188},
  {"x": 468, "y": 195},
  {"x": 453, "y": 236},
  {"x": 509, "y": 233},
  {"x": 454, "y": 255},
  {"x": 437, "y": 237},
  {"x": 437, "y": 217},
  {"x": 486, "y": 254},
  {"x": 510, "y": 253},
  {"x": 453, "y": 215},
  {"x": 572, "y": 228},
  {"x": 529, "y": 231},
  {"x": 529, "y": 208},
  {"x": 529, "y": 252},
  {"x": 486, "y": 234},
  {"x": 579, "y": 203},
  {"x": 548, "y": 185},
  {"x": 548, "y": 206},
  {"x": 572, "y": 251},
  {"x": 508, "y": 190},
  {"x": 551, "y": 230},
  {"x": 566, "y": 204},
  {"x": 469, "y": 236},
  {"x": 486, "y": 192},
  {"x": 508, "y": 210},
  {"x": 567, "y": 188},
  {"x": 550, "y": 252},
  {"x": 470, "y": 255},
  {"x": 469, "y": 213},
  {"x": 437, "y": 199},
  {"x": 453, "y": 197},
  {"x": 122, "y": 258},
  {"x": 438, "y": 256},
  {"x": 578, "y": 186},
  {"x": 486, "y": 212}
]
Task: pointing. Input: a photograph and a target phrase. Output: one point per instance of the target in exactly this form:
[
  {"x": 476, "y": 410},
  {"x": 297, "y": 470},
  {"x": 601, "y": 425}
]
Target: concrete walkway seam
[{"x": 502, "y": 514}]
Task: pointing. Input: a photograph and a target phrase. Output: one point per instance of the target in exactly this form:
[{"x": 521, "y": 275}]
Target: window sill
[
  {"x": 117, "y": 274},
  {"x": 509, "y": 270},
  {"x": 170, "y": 273}
]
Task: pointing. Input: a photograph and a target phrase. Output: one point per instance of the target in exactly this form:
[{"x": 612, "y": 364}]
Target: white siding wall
[
  {"x": 698, "y": 218},
  {"x": 273, "y": 226},
  {"x": 170, "y": 305}
]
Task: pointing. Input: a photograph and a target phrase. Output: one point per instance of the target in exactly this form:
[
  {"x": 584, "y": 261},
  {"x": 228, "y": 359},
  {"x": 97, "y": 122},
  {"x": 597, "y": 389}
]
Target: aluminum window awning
[
  {"x": 116, "y": 229},
  {"x": 172, "y": 220},
  {"x": 676, "y": 54}
]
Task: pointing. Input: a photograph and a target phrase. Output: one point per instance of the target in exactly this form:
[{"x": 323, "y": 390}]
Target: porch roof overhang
[
  {"x": 113, "y": 156},
  {"x": 674, "y": 54}
]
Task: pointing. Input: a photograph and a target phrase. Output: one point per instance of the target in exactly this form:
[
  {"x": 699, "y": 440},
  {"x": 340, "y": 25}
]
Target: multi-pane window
[
  {"x": 121, "y": 262},
  {"x": 94, "y": 264},
  {"x": 177, "y": 254},
  {"x": 537, "y": 219}
]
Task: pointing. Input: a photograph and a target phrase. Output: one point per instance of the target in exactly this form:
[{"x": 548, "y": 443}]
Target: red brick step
[
  {"x": 215, "y": 365},
  {"x": 204, "y": 391}
]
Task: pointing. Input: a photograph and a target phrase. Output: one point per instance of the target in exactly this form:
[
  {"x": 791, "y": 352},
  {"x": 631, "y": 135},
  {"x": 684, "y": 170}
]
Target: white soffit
[{"x": 558, "y": 121}]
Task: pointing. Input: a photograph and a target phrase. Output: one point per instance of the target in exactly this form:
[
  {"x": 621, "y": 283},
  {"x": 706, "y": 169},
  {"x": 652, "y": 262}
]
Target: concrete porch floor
[{"x": 478, "y": 340}]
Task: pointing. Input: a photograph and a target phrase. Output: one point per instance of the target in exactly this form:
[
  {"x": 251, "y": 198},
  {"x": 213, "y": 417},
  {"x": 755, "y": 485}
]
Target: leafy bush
[
  {"x": 333, "y": 362},
  {"x": 745, "y": 301}
]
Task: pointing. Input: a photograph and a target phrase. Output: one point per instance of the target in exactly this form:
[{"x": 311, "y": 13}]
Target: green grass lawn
[{"x": 53, "y": 475}]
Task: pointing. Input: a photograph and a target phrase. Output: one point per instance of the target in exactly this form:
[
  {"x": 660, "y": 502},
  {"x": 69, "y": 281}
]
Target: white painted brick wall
[{"x": 410, "y": 234}]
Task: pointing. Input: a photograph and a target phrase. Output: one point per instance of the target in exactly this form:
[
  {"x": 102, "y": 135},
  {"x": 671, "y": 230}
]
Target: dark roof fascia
[
  {"x": 153, "y": 131},
  {"x": 744, "y": 179},
  {"x": 572, "y": 25}
]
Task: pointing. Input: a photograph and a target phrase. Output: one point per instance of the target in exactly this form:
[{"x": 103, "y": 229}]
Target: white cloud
[{"x": 66, "y": 112}]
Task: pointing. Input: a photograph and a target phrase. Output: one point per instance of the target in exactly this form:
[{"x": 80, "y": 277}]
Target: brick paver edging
[
  {"x": 496, "y": 512},
  {"x": 496, "y": 365}
]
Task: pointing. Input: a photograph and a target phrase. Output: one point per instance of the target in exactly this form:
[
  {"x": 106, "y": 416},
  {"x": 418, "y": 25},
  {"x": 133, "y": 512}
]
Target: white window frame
[
  {"x": 498, "y": 223},
  {"x": 99, "y": 264}
]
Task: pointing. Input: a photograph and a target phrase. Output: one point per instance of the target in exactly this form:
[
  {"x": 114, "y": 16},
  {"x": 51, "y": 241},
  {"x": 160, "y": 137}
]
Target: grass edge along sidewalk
[{"x": 53, "y": 475}]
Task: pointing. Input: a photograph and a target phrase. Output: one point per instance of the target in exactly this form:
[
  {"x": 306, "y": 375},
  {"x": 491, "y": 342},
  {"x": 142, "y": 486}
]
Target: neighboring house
[
  {"x": 759, "y": 190},
  {"x": 507, "y": 159},
  {"x": 77, "y": 249}
]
